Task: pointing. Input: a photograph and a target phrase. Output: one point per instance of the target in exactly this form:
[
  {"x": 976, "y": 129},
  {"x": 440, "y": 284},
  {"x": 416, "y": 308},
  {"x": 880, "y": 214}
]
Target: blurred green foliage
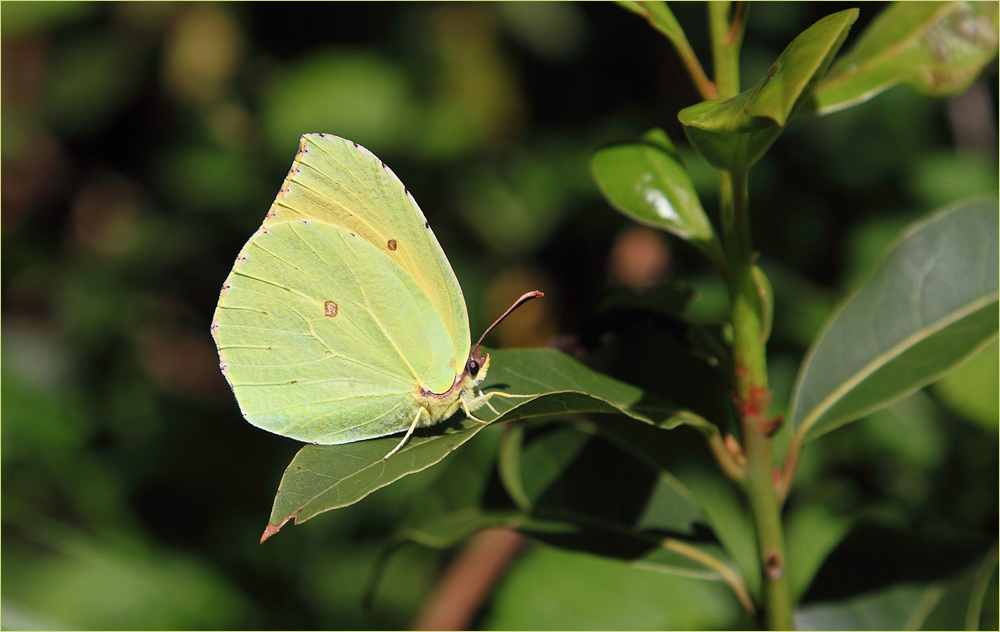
[{"x": 142, "y": 144}]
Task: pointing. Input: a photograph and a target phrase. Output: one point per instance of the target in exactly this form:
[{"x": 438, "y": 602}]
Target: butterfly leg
[
  {"x": 486, "y": 400},
  {"x": 409, "y": 432},
  {"x": 468, "y": 413}
]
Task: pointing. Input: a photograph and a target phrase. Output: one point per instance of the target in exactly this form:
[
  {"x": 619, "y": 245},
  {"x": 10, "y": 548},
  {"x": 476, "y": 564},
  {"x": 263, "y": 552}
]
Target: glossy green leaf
[
  {"x": 952, "y": 604},
  {"x": 647, "y": 181},
  {"x": 927, "y": 308},
  {"x": 730, "y": 132},
  {"x": 321, "y": 478},
  {"x": 935, "y": 48}
]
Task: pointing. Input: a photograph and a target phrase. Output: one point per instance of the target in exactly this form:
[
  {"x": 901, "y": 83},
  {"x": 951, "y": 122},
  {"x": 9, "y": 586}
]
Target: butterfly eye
[{"x": 473, "y": 367}]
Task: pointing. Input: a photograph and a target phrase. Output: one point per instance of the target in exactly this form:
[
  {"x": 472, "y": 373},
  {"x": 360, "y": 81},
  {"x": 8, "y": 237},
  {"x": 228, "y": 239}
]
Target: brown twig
[{"x": 469, "y": 579}]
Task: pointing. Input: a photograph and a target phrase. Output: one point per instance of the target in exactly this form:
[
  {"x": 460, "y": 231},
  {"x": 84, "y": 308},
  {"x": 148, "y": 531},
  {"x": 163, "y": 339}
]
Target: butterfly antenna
[{"x": 527, "y": 296}]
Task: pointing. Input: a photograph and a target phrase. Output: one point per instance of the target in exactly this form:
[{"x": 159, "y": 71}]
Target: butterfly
[{"x": 342, "y": 319}]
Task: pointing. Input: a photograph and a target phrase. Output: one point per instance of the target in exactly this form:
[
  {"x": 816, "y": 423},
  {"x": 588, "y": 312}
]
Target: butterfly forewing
[
  {"x": 326, "y": 339},
  {"x": 337, "y": 182}
]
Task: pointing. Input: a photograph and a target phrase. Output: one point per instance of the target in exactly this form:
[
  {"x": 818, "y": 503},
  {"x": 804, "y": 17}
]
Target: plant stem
[
  {"x": 754, "y": 400},
  {"x": 726, "y": 43},
  {"x": 749, "y": 356}
]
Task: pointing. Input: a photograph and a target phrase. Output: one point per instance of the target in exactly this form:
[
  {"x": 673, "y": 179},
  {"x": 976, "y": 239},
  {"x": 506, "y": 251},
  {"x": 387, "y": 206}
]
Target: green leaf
[
  {"x": 647, "y": 181},
  {"x": 935, "y": 48},
  {"x": 962, "y": 602},
  {"x": 579, "y": 470},
  {"x": 812, "y": 532},
  {"x": 739, "y": 130},
  {"x": 625, "y": 504},
  {"x": 450, "y": 510},
  {"x": 509, "y": 465},
  {"x": 553, "y": 589},
  {"x": 951, "y": 604},
  {"x": 765, "y": 295},
  {"x": 462, "y": 501},
  {"x": 583, "y": 488},
  {"x": 927, "y": 308},
  {"x": 728, "y": 516},
  {"x": 972, "y": 389},
  {"x": 321, "y": 478},
  {"x": 659, "y": 15}
]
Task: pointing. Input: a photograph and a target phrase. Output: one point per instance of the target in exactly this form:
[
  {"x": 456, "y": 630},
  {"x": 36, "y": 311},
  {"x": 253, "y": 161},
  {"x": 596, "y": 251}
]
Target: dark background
[{"x": 142, "y": 144}]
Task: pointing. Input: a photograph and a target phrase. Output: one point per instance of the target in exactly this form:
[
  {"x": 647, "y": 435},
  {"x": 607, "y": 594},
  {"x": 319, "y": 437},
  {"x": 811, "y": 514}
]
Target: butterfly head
[{"x": 477, "y": 365}]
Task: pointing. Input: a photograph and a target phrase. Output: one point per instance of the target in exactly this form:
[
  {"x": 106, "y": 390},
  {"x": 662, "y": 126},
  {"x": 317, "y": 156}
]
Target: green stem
[
  {"x": 725, "y": 49},
  {"x": 749, "y": 356},
  {"x": 754, "y": 400}
]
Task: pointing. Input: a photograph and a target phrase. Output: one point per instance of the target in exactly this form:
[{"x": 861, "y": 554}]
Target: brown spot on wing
[
  {"x": 330, "y": 309},
  {"x": 391, "y": 244}
]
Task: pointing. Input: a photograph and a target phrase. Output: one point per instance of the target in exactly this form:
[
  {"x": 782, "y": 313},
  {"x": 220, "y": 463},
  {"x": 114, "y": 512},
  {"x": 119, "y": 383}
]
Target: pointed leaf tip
[{"x": 272, "y": 528}]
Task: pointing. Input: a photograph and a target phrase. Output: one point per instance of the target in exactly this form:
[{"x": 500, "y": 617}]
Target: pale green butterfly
[{"x": 342, "y": 319}]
